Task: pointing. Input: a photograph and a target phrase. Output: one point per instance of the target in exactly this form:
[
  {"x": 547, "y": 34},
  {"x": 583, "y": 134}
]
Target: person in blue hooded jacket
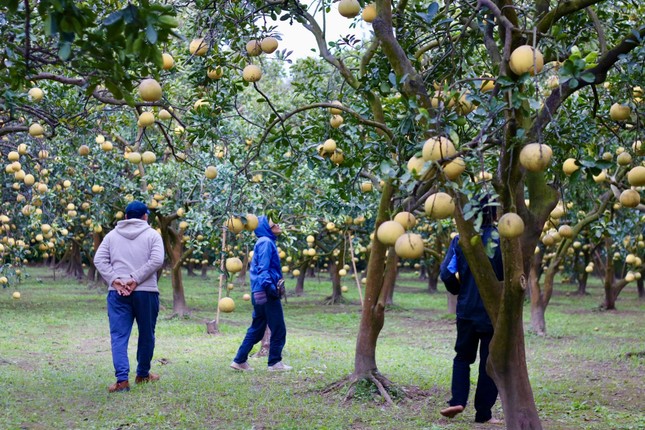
[
  {"x": 474, "y": 327},
  {"x": 266, "y": 275}
]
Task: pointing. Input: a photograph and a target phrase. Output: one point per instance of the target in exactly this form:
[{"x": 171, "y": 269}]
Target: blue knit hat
[{"x": 136, "y": 209}]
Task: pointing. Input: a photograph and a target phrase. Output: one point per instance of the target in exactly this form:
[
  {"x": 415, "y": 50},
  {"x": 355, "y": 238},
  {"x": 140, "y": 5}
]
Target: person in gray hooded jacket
[{"x": 128, "y": 260}]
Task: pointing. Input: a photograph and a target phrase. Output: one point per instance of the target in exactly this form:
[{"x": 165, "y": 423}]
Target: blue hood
[{"x": 263, "y": 229}]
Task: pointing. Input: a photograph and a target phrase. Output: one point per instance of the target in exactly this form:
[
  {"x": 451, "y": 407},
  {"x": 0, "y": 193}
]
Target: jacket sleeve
[
  {"x": 103, "y": 263},
  {"x": 155, "y": 260},
  {"x": 448, "y": 269}
]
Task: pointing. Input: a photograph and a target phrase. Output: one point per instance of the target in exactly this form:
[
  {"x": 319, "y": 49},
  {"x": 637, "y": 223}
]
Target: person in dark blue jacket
[
  {"x": 474, "y": 327},
  {"x": 266, "y": 277}
]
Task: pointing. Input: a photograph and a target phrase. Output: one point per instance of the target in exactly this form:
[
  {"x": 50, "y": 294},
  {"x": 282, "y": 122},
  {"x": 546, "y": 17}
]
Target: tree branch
[{"x": 563, "y": 9}]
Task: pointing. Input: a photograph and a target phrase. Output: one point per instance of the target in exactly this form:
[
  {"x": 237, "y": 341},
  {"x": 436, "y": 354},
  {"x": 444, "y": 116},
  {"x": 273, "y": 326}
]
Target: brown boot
[
  {"x": 119, "y": 386},
  {"x": 150, "y": 378}
]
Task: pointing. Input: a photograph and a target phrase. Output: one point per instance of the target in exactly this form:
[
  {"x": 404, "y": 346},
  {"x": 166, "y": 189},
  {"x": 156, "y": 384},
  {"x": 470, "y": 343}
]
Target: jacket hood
[
  {"x": 263, "y": 229},
  {"x": 131, "y": 228}
]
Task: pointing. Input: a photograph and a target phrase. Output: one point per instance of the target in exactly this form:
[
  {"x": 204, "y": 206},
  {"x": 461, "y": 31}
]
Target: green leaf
[
  {"x": 65, "y": 50},
  {"x": 588, "y": 77},
  {"x": 113, "y": 18},
  {"x": 114, "y": 89},
  {"x": 151, "y": 34}
]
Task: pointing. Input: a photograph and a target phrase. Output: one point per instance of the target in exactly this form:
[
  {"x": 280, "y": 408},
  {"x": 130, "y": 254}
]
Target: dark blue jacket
[
  {"x": 469, "y": 302},
  {"x": 266, "y": 269}
]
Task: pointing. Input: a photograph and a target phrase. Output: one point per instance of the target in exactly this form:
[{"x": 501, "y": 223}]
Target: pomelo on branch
[
  {"x": 252, "y": 73},
  {"x": 389, "y": 231},
  {"x": 36, "y": 130},
  {"x": 107, "y": 146},
  {"x": 134, "y": 157},
  {"x": 148, "y": 157},
  {"x": 269, "y": 45},
  {"x": 349, "y": 8},
  {"x": 146, "y": 119},
  {"x": 535, "y": 157},
  {"x": 198, "y": 47},
  {"x": 233, "y": 264},
  {"x": 437, "y": 148},
  {"x": 215, "y": 73},
  {"x": 454, "y": 168},
  {"x": 406, "y": 219},
  {"x": 510, "y": 225},
  {"x": 168, "y": 61},
  {"x": 335, "y": 111},
  {"x": 630, "y": 198},
  {"x": 234, "y": 224},
  {"x": 336, "y": 121},
  {"x": 211, "y": 172},
  {"x": 329, "y": 146},
  {"x": 36, "y": 94},
  {"x": 13, "y": 156},
  {"x": 84, "y": 150},
  {"x": 253, "y": 48},
  {"x": 150, "y": 90},
  {"x": 226, "y": 305},
  {"x": 366, "y": 187},
  {"x": 636, "y": 176},
  {"x": 439, "y": 206},
  {"x": 164, "y": 114},
  {"x": 569, "y": 166},
  {"x": 525, "y": 59},
  {"x": 369, "y": 12},
  {"x": 566, "y": 231},
  {"x": 619, "y": 112},
  {"x": 624, "y": 159},
  {"x": 600, "y": 177},
  {"x": 409, "y": 245},
  {"x": 252, "y": 222}
]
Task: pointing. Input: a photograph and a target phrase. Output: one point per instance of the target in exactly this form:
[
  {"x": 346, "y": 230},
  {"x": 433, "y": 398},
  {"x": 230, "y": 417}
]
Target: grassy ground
[{"x": 55, "y": 363}]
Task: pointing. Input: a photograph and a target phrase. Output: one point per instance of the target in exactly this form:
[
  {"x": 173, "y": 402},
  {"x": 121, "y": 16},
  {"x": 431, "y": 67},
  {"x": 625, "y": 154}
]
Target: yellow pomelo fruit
[
  {"x": 235, "y": 225},
  {"x": 13, "y": 155},
  {"x": 107, "y": 146},
  {"x": 409, "y": 245},
  {"x": 336, "y": 121},
  {"x": 535, "y": 157},
  {"x": 349, "y": 8},
  {"x": 601, "y": 177},
  {"x": 329, "y": 146},
  {"x": 198, "y": 47},
  {"x": 211, "y": 172},
  {"x": 453, "y": 169},
  {"x": 134, "y": 157},
  {"x": 510, "y": 225},
  {"x": 366, "y": 187},
  {"x": 337, "y": 157},
  {"x": 630, "y": 198},
  {"x": 36, "y": 94},
  {"x": 522, "y": 60},
  {"x": 15, "y": 295},
  {"x": 252, "y": 73},
  {"x": 619, "y": 112},
  {"x": 84, "y": 150},
  {"x": 253, "y": 48},
  {"x": 226, "y": 305},
  {"x": 636, "y": 176},
  {"x": 233, "y": 265},
  {"x": 269, "y": 45},
  {"x": 569, "y": 166},
  {"x": 36, "y": 130},
  {"x": 168, "y": 61},
  {"x": 311, "y": 239},
  {"x": 215, "y": 73},
  {"x": 150, "y": 90},
  {"x": 146, "y": 119},
  {"x": 566, "y": 231},
  {"x": 487, "y": 85},
  {"x": 369, "y": 13},
  {"x": 624, "y": 159},
  {"x": 406, "y": 219},
  {"x": 164, "y": 114},
  {"x": 437, "y": 148},
  {"x": 29, "y": 180},
  {"x": 252, "y": 222},
  {"x": 389, "y": 232},
  {"x": 439, "y": 206},
  {"x": 148, "y": 157},
  {"x": 335, "y": 111},
  {"x": 246, "y": 297},
  {"x": 415, "y": 166}
]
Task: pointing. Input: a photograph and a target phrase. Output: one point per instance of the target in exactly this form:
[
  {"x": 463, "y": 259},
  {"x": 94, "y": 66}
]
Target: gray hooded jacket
[{"x": 132, "y": 250}]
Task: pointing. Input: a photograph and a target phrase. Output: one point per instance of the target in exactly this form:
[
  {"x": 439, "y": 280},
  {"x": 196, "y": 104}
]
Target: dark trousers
[
  {"x": 269, "y": 314},
  {"x": 468, "y": 338},
  {"x": 143, "y": 307}
]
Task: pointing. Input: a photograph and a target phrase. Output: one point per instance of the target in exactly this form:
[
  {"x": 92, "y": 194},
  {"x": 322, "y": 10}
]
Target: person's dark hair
[{"x": 488, "y": 207}]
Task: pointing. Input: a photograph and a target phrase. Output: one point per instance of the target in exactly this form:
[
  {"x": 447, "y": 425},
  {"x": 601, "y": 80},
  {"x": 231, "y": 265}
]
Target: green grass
[{"x": 55, "y": 363}]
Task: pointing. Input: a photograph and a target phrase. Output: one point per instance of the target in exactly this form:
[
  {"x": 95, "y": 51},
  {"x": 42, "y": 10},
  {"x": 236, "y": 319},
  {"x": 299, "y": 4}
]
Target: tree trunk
[
  {"x": 174, "y": 246},
  {"x": 641, "y": 290},
  {"x": 190, "y": 269},
  {"x": 433, "y": 277},
  {"x": 300, "y": 282},
  {"x": 389, "y": 279},
  {"x": 71, "y": 261},
  {"x": 204, "y": 271},
  {"x": 178, "y": 298},
  {"x": 336, "y": 293},
  {"x": 610, "y": 299},
  {"x": 373, "y": 312}
]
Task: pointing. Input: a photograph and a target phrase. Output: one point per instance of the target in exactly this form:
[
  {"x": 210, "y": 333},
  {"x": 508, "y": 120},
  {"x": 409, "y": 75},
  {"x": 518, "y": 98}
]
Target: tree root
[
  {"x": 372, "y": 386},
  {"x": 335, "y": 300}
]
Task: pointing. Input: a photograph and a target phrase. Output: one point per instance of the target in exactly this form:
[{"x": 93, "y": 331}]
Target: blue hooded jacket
[
  {"x": 266, "y": 269},
  {"x": 469, "y": 302}
]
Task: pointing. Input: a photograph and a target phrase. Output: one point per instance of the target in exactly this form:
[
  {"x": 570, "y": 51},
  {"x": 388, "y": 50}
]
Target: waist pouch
[{"x": 260, "y": 297}]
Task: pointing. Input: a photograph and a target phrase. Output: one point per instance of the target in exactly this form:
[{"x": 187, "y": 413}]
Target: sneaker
[
  {"x": 279, "y": 367},
  {"x": 119, "y": 386},
  {"x": 150, "y": 378},
  {"x": 242, "y": 367},
  {"x": 451, "y": 411}
]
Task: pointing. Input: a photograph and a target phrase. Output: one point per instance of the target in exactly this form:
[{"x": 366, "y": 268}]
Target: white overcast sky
[{"x": 299, "y": 40}]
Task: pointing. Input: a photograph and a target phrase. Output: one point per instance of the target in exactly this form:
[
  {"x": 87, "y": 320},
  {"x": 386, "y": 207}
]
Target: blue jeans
[
  {"x": 143, "y": 307},
  {"x": 469, "y": 336},
  {"x": 269, "y": 314}
]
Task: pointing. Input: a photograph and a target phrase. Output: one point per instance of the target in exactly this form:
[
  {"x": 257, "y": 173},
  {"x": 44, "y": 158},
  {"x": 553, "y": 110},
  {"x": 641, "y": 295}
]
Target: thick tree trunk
[
  {"x": 300, "y": 281},
  {"x": 641, "y": 290},
  {"x": 433, "y": 277},
  {"x": 71, "y": 261},
  {"x": 174, "y": 253},
  {"x": 336, "y": 291},
  {"x": 178, "y": 298},
  {"x": 204, "y": 274},
  {"x": 373, "y": 312},
  {"x": 190, "y": 269},
  {"x": 610, "y": 275}
]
